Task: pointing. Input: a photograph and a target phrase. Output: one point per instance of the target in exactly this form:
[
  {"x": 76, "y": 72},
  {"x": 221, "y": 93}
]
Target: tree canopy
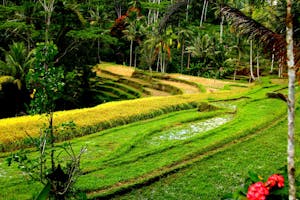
[{"x": 197, "y": 37}]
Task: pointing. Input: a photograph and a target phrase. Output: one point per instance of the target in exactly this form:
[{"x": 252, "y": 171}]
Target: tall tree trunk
[
  {"x": 291, "y": 101},
  {"x": 272, "y": 63},
  {"x": 98, "y": 50},
  {"x": 239, "y": 58},
  {"x": 48, "y": 6},
  {"x": 257, "y": 64},
  {"x": 202, "y": 13},
  {"x": 205, "y": 11},
  {"x": 280, "y": 68},
  {"x": 272, "y": 60},
  {"x": 161, "y": 60},
  {"x": 157, "y": 12},
  {"x": 130, "y": 56},
  {"x": 187, "y": 11},
  {"x": 149, "y": 17},
  {"x": 157, "y": 63},
  {"x": 118, "y": 8},
  {"x": 251, "y": 60},
  {"x": 135, "y": 57},
  {"x": 182, "y": 55},
  {"x": 189, "y": 61},
  {"x": 221, "y": 29}
]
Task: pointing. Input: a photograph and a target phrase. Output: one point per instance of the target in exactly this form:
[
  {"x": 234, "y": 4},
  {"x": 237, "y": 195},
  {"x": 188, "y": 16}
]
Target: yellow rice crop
[
  {"x": 116, "y": 69},
  {"x": 207, "y": 82},
  {"x": 15, "y": 129}
]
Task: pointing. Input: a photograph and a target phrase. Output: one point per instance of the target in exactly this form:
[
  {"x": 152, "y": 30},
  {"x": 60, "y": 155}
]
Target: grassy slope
[
  {"x": 89, "y": 120},
  {"x": 225, "y": 171},
  {"x": 122, "y": 157},
  {"x": 176, "y": 155}
]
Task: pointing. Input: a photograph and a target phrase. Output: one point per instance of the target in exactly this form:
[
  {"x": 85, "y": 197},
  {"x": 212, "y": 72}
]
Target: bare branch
[{"x": 69, "y": 48}]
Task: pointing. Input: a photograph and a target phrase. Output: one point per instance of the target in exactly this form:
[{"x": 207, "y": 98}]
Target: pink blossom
[
  {"x": 275, "y": 180},
  {"x": 257, "y": 191}
]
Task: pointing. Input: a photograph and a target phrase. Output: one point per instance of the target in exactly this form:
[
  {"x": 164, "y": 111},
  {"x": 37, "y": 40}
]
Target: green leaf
[
  {"x": 44, "y": 193},
  {"x": 253, "y": 176},
  {"x": 9, "y": 161}
]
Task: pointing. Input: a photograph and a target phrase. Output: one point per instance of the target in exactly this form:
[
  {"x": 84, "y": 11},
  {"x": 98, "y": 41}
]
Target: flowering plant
[
  {"x": 260, "y": 190},
  {"x": 256, "y": 188}
]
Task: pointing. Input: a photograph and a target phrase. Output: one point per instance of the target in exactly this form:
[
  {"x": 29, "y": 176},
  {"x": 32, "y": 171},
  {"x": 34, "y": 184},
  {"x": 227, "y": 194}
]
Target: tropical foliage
[{"x": 164, "y": 35}]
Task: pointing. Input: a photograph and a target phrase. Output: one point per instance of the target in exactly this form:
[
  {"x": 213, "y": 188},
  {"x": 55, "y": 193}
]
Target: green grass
[
  {"x": 148, "y": 161},
  {"x": 224, "y": 171},
  {"x": 101, "y": 145},
  {"x": 206, "y": 164}
]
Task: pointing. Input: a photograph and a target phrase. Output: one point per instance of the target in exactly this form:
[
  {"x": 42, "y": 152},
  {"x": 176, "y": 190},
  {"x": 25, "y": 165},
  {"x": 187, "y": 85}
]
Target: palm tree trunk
[
  {"x": 130, "y": 56},
  {"x": 280, "y": 68},
  {"x": 135, "y": 57},
  {"x": 202, "y": 14},
  {"x": 189, "y": 61},
  {"x": 205, "y": 11},
  {"x": 272, "y": 63},
  {"x": 157, "y": 12},
  {"x": 257, "y": 65},
  {"x": 98, "y": 50},
  {"x": 149, "y": 17},
  {"x": 161, "y": 60},
  {"x": 187, "y": 10},
  {"x": 291, "y": 102},
  {"x": 251, "y": 60},
  {"x": 157, "y": 63},
  {"x": 221, "y": 29},
  {"x": 182, "y": 55}
]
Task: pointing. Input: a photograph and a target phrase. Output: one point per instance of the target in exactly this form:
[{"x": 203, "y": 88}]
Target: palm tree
[
  {"x": 204, "y": 11},
  {"x": 148, "y": 48},
  {"x": 203, "y": 47},
  {"x": 134, "y": 22},
  {"x": 285, "y": 50},
  {"x": 130, "y": 34},
  {"x": 184, "y": 34},
  {"x": 17, "y": 63}
]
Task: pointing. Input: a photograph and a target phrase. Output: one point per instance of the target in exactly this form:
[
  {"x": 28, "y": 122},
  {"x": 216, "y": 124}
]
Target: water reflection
[{"x": 193, "y": 129}]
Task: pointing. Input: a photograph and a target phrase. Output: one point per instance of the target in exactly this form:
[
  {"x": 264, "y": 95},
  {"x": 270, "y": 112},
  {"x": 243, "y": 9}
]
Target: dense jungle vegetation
[{"x": 190, "y": 37}]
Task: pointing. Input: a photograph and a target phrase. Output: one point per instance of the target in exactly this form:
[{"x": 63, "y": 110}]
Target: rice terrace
[
  {"x": 198, "y": 144},
  {"x": 149, "y": 100}
]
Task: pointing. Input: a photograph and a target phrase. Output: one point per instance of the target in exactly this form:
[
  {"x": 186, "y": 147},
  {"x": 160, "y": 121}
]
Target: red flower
[
  {"x": 257, "y": 191},
  {"x": 275, "y": 180}
]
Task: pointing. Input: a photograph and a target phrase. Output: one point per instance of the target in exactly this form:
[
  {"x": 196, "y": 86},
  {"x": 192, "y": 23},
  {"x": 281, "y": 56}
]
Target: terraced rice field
[{"x": 180, "y": 153}]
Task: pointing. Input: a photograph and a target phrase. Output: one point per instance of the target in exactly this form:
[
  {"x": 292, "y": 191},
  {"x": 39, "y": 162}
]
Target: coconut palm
[
  {"x": 148, "y": 49},
  {"x": 252, "y": 29},
  {"x": 203, "y": 48},
  {"x": 285, "y": 50},
  {"x": 184, "y": 34}
]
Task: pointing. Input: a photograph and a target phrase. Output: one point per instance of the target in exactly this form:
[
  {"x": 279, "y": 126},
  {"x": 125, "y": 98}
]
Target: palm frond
[
  {"x": 75, "y": 9},
  {"x": 172, "y": 9},
  {"x": 273, "y": 42}
]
